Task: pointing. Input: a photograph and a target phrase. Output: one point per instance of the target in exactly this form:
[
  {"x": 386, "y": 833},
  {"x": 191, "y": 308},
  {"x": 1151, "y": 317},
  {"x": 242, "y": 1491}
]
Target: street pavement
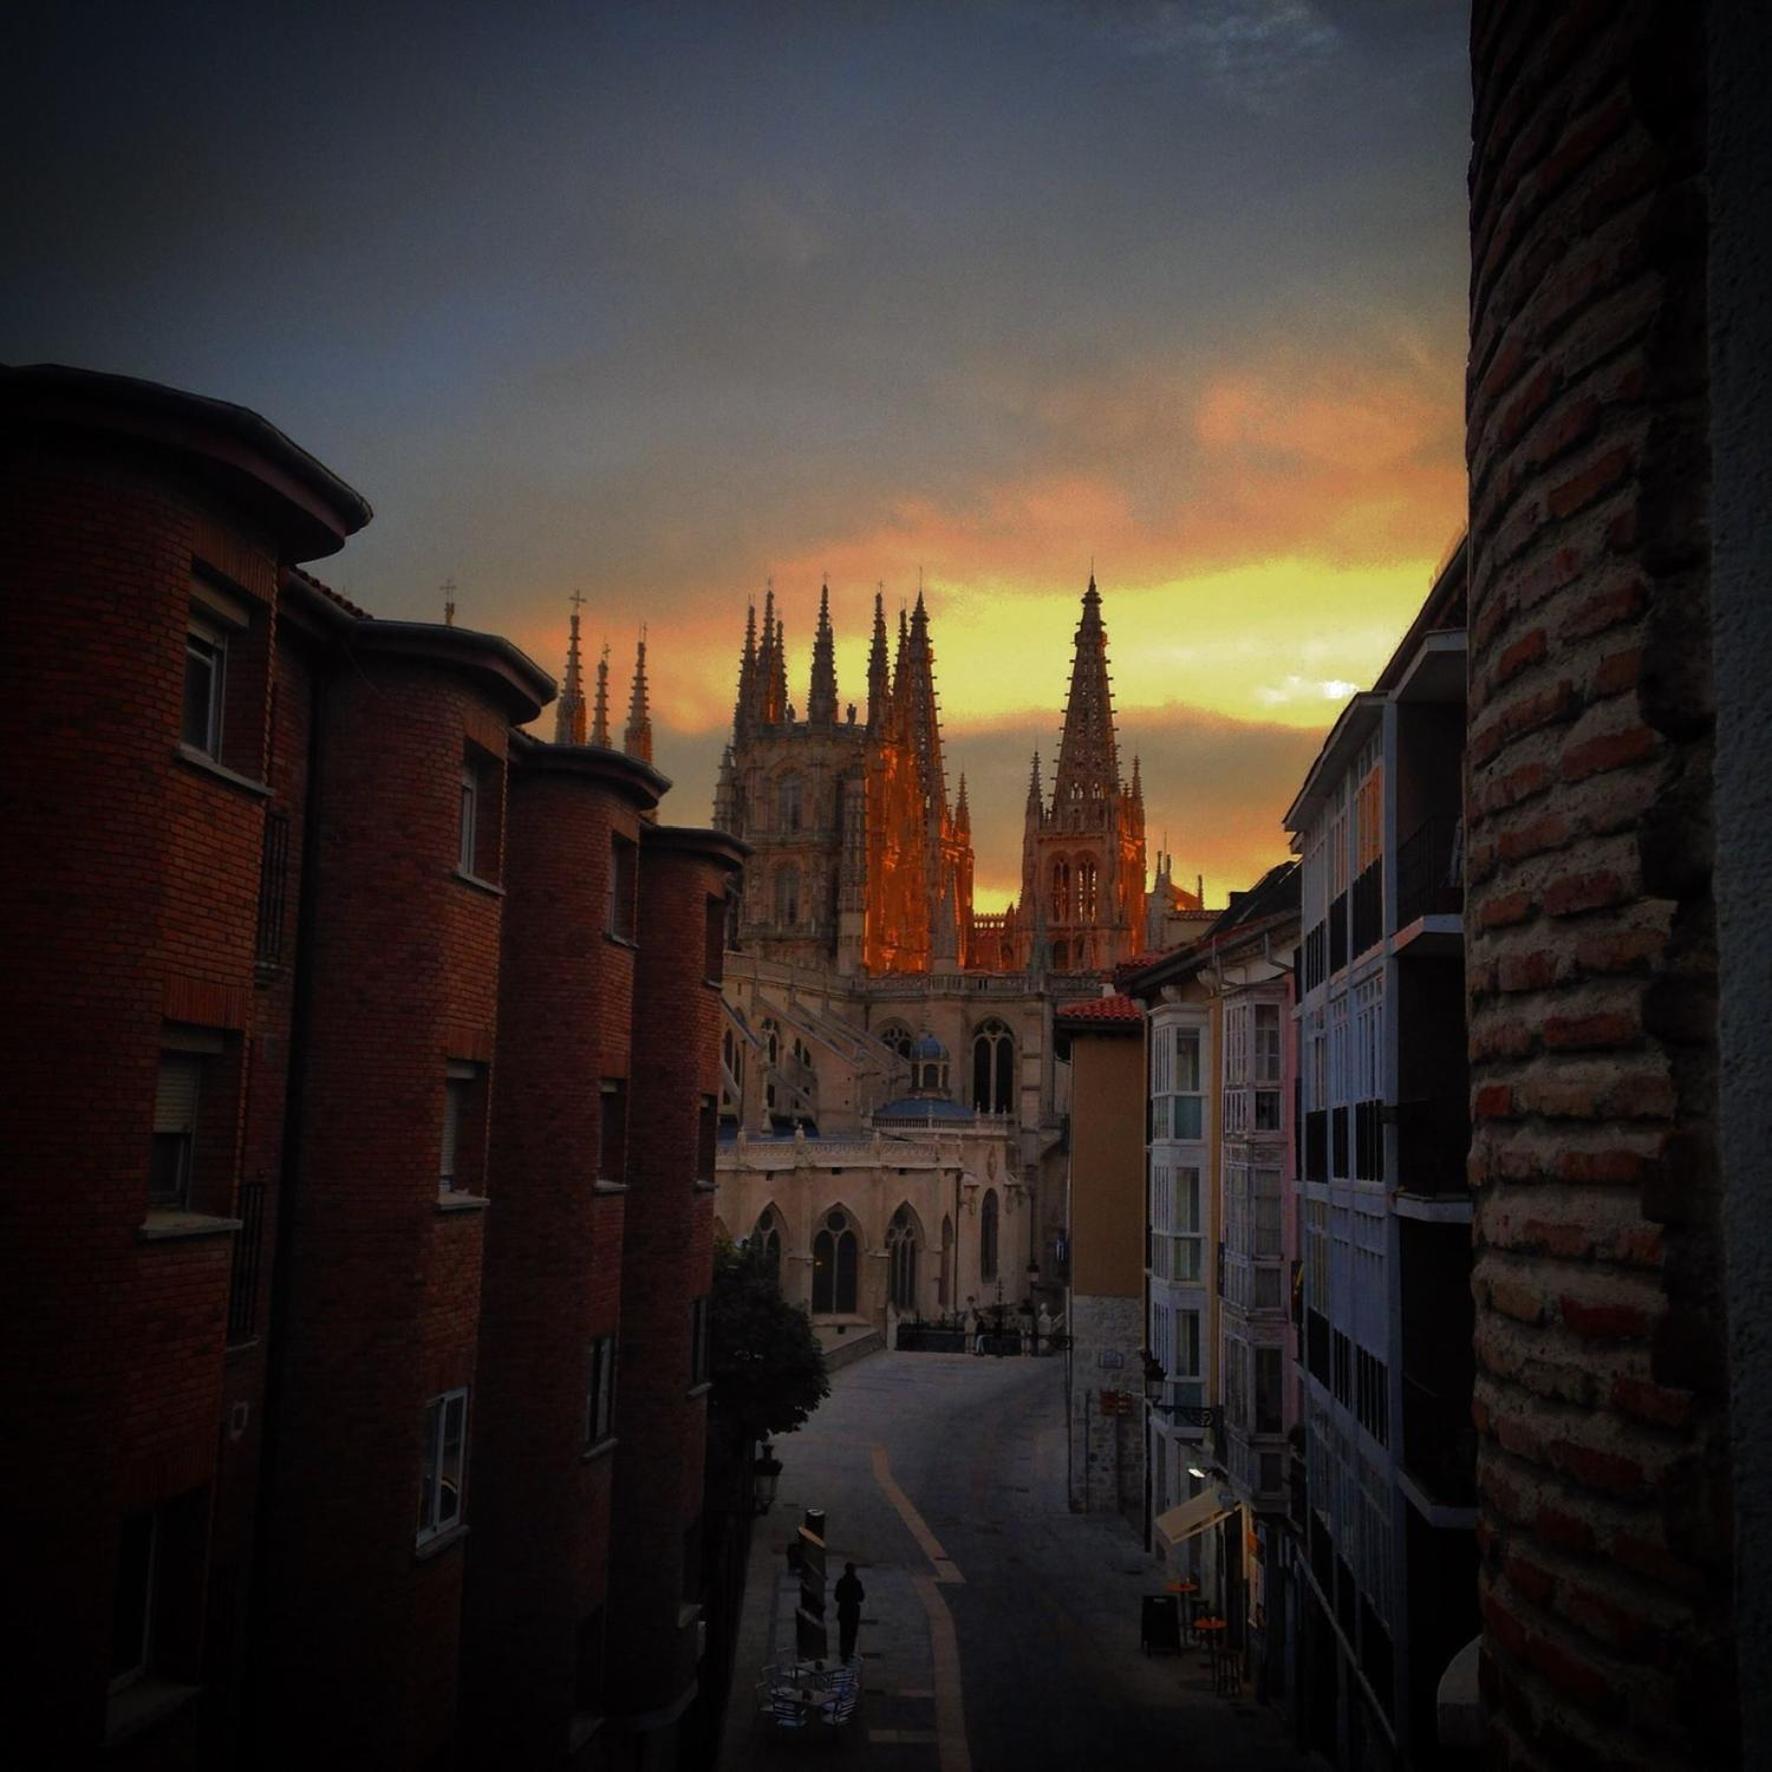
[{"x": 1000, "y": 1630}]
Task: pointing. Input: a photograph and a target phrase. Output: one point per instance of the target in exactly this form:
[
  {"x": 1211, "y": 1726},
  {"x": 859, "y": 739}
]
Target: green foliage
[{"x": 768, "y": 1370}]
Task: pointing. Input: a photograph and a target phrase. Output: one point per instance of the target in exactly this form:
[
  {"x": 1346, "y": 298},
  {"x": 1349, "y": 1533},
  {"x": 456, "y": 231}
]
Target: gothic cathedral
[{"x": 861, "y": 863}]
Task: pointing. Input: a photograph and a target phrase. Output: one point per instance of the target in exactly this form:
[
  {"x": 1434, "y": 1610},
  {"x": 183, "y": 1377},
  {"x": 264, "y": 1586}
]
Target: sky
[{"x": 660, "y": 302}]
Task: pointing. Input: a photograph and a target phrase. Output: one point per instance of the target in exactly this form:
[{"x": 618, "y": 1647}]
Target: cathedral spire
[
  {"x": 1137, "y": 784},
  {"x": 962, "y": 812},
  {"x": 745, "y": 709},
  {"x": 915, "y": 693},
  {"x": 1088, "y": 753},
  {"x": 600, "y": 718},
  {"x": 637, "y": 740},
  {"x": 1036, "y": 793},
  {"x": 569, "y": 711},
  {"x": 821, "y": 703},
  {"x": 879, "y": 674}
]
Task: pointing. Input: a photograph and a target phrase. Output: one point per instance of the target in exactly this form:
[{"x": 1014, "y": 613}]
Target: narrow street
[{"x": 1000, "y": 1631}]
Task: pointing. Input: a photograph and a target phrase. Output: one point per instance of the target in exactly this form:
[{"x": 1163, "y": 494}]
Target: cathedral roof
[{"x": 923, "y": 1110}]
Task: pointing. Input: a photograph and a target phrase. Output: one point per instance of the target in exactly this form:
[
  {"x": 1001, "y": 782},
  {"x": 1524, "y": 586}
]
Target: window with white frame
[
  {"x": 173, "y": 1151},
  {"x": 1189, "y": 1102},
  {"x": 1187, "y": 1226},
  {"x": 457, "y": 1171},
  {"x": 469, "y": 835},
  {"x": 1367, "y": 1080},
  {"x": 1236, "y": 1383},
  {"x": 1316, "y": 1255},
  {"x": 1236, "y": 1113},
  {"x": 1338, "y": 847},
  {"x": 206, "y": 671},
  {"x": 1338, "y": 1050},
  {"x": 1267, "y": 1043},
  {"x": 600, "y": 1391},
  {"x": 1317, "y": 1062},
  {"x": 1236, "y": 1043},
  {"x": 1186, "y": 1329},
  {"x": 445, "y": 1464},
  {"x": 624, "y": 887}
]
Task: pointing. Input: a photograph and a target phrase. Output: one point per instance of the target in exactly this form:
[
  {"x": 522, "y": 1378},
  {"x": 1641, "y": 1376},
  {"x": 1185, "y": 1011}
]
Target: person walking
[{"x": 849, "y": 1595}]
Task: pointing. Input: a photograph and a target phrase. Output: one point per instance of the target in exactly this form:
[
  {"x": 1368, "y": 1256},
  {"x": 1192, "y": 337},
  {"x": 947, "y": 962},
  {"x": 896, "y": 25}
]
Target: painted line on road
[
  {"x": 945, "y": 1569},
  {"x": 952, "y": 1753}
]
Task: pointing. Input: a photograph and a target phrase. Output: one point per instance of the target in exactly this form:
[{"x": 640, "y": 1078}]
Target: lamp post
[
  {"x": 1154, "y": 1376},
  {"x": 765, "y": 1474}
]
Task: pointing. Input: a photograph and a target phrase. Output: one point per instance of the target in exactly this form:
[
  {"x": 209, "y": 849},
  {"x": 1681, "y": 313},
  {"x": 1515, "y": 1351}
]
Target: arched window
[
  {"x": 987, "y": 1236},
  {"x": 732, "y": 1074},
  {"x": 993, "y": 1069},
  {"x": 771, "y": 1057},
  {"x": 897, "y": 1037},
  {"x": 1061, "y": 956},
  {"x": 1086, "y": 893},
  {"x": 835, "y": 1252},
  {"x": 768, "y": 1237},
  {"x": 901, "y": 1250},
  {"x": 787, "y": 894},
  {"x": 790, "y": 803},
  {"x": 1061, "y": 892},
  {"x": 945, "y": 1290}
]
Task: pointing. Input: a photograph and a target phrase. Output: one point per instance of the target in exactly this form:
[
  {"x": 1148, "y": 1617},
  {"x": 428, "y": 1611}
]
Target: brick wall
[
  {"x": 553, "y": 1253},
  {"x": 1599, "y": 1400},
  {"x": 667, "y": 1261}
]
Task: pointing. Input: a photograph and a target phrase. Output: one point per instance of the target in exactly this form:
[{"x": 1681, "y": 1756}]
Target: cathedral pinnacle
[
  {"x": 962, "y": 811},
  {"x": 637, "y": 740},
  {"x": 743, "y": 712},
  {"x": 569, "y": 711},
  {"x": 600, "y": 717},
  {"x": 1088, "y": 752},
  {"x": 879, "y": 679},
  {"x": 821, "y": 703}
]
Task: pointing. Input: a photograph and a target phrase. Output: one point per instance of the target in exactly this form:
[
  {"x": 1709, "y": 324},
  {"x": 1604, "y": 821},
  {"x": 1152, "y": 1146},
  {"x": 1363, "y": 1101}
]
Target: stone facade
[{"x": 1106, "y": 1451}]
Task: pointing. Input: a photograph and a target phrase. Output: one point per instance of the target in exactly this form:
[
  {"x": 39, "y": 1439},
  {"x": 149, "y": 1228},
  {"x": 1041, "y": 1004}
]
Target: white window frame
[
  {"x": 600, "y": 1392},
  {"x": 438, "y": 1463},
  {"x": 207, "y": 640},
  {"x": 458, "y": 1092},
  {"x": 468, "y": 838}
]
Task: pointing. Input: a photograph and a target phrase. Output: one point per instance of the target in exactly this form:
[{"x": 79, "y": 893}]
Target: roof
[
  {"x": 922, "y": 1109},
  {"x": 1117, "y": 1012},
  {"x": 306, "y": 505},
  {"x": 1271, "y": 902}
]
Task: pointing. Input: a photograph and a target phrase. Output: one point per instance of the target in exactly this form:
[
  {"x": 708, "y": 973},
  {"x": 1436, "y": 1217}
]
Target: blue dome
[
  {"x": 922, "y": 1109},
  {"x": 927, "y": 1046}
]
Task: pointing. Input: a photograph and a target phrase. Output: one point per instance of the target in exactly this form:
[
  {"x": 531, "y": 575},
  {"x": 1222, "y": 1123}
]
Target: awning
[{"x": 1191, "y": 1517}]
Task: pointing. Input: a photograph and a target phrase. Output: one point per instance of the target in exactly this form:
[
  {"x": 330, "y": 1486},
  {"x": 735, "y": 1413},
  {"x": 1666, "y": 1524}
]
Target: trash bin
[{"x": 1159, "y": 1630}]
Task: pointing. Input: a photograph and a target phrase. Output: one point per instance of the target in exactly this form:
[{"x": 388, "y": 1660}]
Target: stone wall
[{"x": 1106, "y": 1452}]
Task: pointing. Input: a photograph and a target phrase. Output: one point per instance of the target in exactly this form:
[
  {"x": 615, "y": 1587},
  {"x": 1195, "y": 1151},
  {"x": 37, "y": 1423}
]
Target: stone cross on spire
[
  {"x": 637, "y": 740},
  {"x": 1088, "y": 752},
  {"x": 569, "y": 711},
  {"x": 600, "y": 718}
]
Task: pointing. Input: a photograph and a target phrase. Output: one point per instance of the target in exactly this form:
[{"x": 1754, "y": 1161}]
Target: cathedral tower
[{"x": 1082, "y": 906}]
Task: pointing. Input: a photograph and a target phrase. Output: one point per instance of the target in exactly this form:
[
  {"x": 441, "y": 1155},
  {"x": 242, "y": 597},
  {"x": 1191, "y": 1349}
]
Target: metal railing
[{"x": 1429, "y": 873}]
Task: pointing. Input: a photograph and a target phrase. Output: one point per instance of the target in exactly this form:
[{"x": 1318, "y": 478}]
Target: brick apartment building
[{"x": 363, "y": 1055}]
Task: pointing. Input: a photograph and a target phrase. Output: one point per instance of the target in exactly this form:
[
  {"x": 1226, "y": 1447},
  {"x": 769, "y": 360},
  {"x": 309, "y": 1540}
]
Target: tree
[{"x": 767, "y": 1367}]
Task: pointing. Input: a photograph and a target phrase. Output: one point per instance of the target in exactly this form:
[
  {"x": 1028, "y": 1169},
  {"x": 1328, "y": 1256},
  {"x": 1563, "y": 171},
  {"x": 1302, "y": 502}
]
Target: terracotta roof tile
[{"x": 1119, "y": 1010}]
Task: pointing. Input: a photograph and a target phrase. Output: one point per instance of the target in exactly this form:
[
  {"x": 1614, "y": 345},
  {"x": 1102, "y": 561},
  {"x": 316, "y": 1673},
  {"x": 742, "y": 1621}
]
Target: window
[
  {"x": 987, "y": 1236},
  {"x": 790, "y": 799},
  {"x": 175, "y": 1129},
  {"x": 132, "y": 1606},
  {"x": 993, "y": 1069},
  {"x": 624, "y": 881},
  {"x": 206, "y": 668},
  {"x": 600, "y": 1391},
  {"x": 464, "y": 1128},
  {"x": 768, "y": 1233},
  {"x": 896, "y": 1037},
  {"x": 1187, "y": 1255},
  {"x": 901, "y": 1248},
  {"x": 470, "y": 817},
  {"x": 1267, "y": 1110},
  {"x": 698, "y": 1341},
  {"x": 1265, "y": 1244},
  {"x": 707, "y": 1139},
  {"x": 787, "y": 894},
  {"x": 1267, "y": 1390},
  {"x": 612, "y": 1127},
  {"x": 1187, "y": 1345},
  {"x": 1188, "y": 1117},
  {"x": 1086, "y": 891},
  {"x": 1267, "y": 1042},
  {"x": 1061, "y": 896},
  {"x": 834, "y": 1253},
  {"x": 445, "y": 1452}
]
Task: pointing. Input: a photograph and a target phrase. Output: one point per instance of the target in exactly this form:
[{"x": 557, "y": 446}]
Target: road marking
[
  {"x": 945, "y": 1570},
  {"x": 952, "y": 1754}
]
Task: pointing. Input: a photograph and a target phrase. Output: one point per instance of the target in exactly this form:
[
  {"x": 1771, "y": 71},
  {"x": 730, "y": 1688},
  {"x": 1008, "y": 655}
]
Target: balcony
[
  {"x": 1430, "y": 871},
  {"x": 1368, "y": 898},
  {"x": 1433, "y": 1140},
  {"x": 1439, "y": 1444}
]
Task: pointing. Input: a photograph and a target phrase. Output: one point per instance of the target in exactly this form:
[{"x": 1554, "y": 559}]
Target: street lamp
[
  {"x": 1154, "y": 1375},
  {"x": 765, "y": 1474}
]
